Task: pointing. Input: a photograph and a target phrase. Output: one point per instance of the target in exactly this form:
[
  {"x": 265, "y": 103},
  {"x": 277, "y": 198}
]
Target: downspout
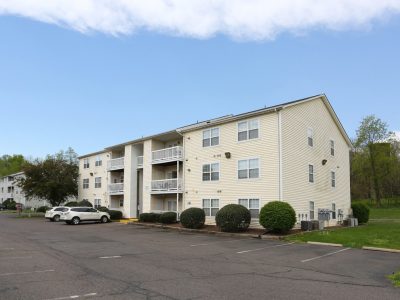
[
  {"x": 183, "y": 177},
  {"x": 279, "y": 110}
]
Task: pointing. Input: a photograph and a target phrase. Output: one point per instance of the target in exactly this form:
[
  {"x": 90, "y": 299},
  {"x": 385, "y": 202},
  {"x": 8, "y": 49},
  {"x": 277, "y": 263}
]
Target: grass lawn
[
  {"x": 395, "y": 278},
  {"x": 382, "y": 231}
]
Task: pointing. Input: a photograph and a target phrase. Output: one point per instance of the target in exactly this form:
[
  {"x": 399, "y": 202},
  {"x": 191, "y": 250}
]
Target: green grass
[
  {"x": 395, "y": 278},
  {"x": 383, "y": 231}
]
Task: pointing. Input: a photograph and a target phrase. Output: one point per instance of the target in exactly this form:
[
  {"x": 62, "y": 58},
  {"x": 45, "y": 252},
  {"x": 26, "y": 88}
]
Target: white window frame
[
  {"x": 210, "y": 206},
  {"x": 334, "y": 214},
  {"x": 311, "y": 173},
  {"x": 310, "y": 137},
  {"x": 246, "y": 204},
  {"x": 211, "y": 137},
  {"x": 86, "y": 163},
  {"x": 97, "y": 203},
  {"x": 332, "y": 147},
  {"x": 311, "y": 207},
  {"x": 333, "y": 179},
  {"x": 85, "y": 183},
  {"x": 248, "y": 129},
  {"x": 173, "y": 204},
  {"x": 248, "y": 168},
  {"x": 99, "y": 161},
  {"x": 97, "y": 182},
  {"x": 211, "y": 172}
]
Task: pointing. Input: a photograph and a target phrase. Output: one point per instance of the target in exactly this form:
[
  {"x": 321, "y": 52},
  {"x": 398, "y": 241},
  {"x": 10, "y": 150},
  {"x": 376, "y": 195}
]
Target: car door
[{"x": 93, "y": 214}]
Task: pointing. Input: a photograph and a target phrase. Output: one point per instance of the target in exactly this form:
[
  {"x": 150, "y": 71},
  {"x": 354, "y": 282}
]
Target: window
[
  {"x": 333, "y": 179},
  {"x": 332, "y": 142},
  {"x": 333, "y": 211},
  {"x": 312, "y": 210},
  {"x": 97, "y": 182},
  {"x": 86, "y": 163},
  {"x": 248, "y": 130},
  {"x": 211, "y": 172},
  {"x": 248, "y": 168},
  {"x": 211, "y": 137},
  {"x": 85, "y": 184},
  {"x": 253, "y": 205},
  {"x": 97, "y": 203},
  {"x": 310, "y": 173},
  {"x": 171, "y": 205},
  {"x": 98, "y": 162},
  {"x": 210, "y": 206},
  {"x": 310, "y": 136},
  {"x": 121, "y": 202}
]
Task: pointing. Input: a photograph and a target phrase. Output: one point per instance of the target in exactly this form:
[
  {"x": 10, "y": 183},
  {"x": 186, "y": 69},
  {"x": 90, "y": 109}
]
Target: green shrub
[
  {"x": 233, "y": 218},
  {"x": 72, "y": 204},
  {"x": 193, "y": 217},
  {"x": 115, "y": 214},
  {"x": 85, "y": 203},
  {"x": 278, "y": 216},
  {"x": 10, "y": 204},
  {"x": 149, "y": 217},
  {"x": 42, "y": 209},
  {"x": 168, "y": 217},
  {"x": 103, "y": 208},
  {"x": 361, "y": 212}
]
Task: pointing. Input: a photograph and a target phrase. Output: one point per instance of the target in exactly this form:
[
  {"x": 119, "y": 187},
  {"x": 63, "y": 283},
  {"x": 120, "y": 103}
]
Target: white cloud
[
  {"x": 240, "y": 19},
  {"x": 397, "y": 133}
]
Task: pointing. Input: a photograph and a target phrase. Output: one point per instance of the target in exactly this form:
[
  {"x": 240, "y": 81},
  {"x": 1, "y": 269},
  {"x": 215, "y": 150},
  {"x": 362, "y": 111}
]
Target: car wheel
[
  {"x": 104, "y": 219},
  {"x": 75, "y": 221},
  {"x": 56, "y": 218}
]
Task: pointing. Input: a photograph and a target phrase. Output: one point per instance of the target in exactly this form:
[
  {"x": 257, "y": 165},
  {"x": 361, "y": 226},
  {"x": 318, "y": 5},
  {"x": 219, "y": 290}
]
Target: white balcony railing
[
  {"x": 115, "y": 164},
  {"x": 167, "y": 155},
  {"x": 140, "y": 162},
  {"x": 115, "y": 188},
  {"x": 166, "y": 185}
]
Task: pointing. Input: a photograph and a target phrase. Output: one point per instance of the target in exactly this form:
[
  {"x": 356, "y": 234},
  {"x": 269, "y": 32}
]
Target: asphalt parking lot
[{"x": 45, "y": 260}]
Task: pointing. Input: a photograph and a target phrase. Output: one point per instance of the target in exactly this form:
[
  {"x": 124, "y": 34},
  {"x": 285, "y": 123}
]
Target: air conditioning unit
[{"x": 306, "y": 225}]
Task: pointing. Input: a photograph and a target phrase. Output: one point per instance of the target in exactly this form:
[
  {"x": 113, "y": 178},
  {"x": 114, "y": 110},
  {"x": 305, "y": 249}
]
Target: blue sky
[{"x": 60, "y": 87}]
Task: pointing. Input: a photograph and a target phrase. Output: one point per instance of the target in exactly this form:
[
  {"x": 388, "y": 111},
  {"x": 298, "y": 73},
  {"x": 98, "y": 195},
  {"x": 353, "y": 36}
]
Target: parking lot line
[
  {"x": 325, "y": 255},
  {"x": 258, "y": 249},
  {"x": 24, "y": 273},
  {"x": 107, "y": 257},
  {"x": 216, "y": 242},
  {"x": 6, "y": 249},
  {"x": 15, "y": 257},
  {"x": 74, "y": 296}
]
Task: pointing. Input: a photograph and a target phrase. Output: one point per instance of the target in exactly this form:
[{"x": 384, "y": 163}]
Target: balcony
[
  {"x": 115, "y": 164},
  {"x": 167, "y": 155},
  {"x": 116, "y": 189},
  {"x": 166, "y": 186},
  {"x": 140, "y": 162}
]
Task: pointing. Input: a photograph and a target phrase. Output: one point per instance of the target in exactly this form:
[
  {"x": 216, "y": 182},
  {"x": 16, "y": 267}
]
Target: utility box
[
  {"x": 352, "y": 222},
  {"x": 306, "y": 225}
]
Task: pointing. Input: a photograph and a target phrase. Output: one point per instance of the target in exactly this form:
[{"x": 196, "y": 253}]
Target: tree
[
  {"x": 10, "y": 164},
  {"x": 54, "y": 178},
  {"x": 372, "y": 140}
]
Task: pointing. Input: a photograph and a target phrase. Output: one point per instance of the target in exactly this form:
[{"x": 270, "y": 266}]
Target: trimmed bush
[
  {"x": 10, "y": 204},
  {"x": 72, "y": 204},
  {"x": 193, "y": 218},
  {"x": 168, "y": 217},
  {"x": 103, "y": 208},
  {"x": 115, "y": 214},
  {"x": 233, "y": 218},
  {"x": 361, "y": 212},
  {"x": 42, "y": 209},
  {"x": 278, "y": 216},
  {"x": 149, "y": 217},
  {"x": 85, "y": 203}
]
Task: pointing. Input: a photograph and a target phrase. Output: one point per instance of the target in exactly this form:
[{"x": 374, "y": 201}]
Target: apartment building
[
  {"x": 10, "y": 190},
  {"x": 296, "y": 152}
]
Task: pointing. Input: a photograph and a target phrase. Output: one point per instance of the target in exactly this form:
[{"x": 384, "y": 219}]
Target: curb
[
  {"x": 325, "y": 244},
  {"x": 217, "y": 233},
  {"x": 381, "y": 249}
]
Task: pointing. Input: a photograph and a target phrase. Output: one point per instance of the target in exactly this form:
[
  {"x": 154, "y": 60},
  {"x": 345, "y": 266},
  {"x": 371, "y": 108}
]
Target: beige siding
[
  {"x": 229, "y": 188},
  {"x": 297, "y": 155}
]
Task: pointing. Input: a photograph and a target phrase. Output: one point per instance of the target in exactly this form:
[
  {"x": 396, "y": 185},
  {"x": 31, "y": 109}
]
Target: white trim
[
  {"x": 280, "y": 155},
  {"x": 248, "y": 172},
  {"x": 210, "y": 198},
  {"x": 312, "y": 137},
  {"x": 210, "y": 129},
  {"x": 248, "y": 139},
  {"x": 219, "y": 172},
  {"x": 308, "y": 173}
]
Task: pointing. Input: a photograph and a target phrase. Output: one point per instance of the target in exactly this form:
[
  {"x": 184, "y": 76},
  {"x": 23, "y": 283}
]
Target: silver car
[
  {"x": 76, "y": 215},
  {"x": 54, "y": 214}
]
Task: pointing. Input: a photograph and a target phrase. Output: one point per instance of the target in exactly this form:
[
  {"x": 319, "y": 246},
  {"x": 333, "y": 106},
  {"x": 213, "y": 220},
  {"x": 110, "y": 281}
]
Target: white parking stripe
[
  {"x": 325, "y": 255},
  {"x": 216, "y": 242},
  {"x": 74, "y": 296},
  {"x": 15, "y": 257},
  {"x": 106, "y": 257},
  {"x": 6, "y": 249},
  {"x": 23, "y": 273},
  {"x": 258, "y": 249}
]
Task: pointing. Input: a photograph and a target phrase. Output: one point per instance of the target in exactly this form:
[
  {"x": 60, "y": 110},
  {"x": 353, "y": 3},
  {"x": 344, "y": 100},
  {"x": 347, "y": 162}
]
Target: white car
[
  {"x": 54, "y": 214},
  {"x": 76, "y": 215}
]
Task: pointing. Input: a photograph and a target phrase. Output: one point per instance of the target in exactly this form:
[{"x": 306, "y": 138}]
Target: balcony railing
[
  {"x": 166, "y": 185},
  {"x": 115, "y": 164},
  {"x": 140, "y": 162},
  {"x": 115, "y": 188},
  {"x": 167, "y": 155}
]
